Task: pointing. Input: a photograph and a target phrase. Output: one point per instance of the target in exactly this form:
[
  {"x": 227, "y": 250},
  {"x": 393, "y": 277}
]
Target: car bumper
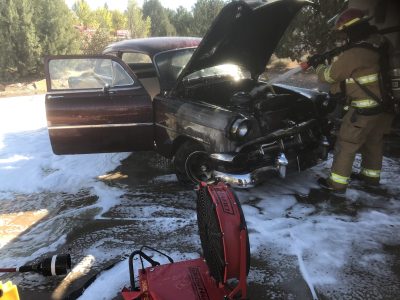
[
  {"x": 251, "y": 179},
  {"x": 280, "y": 167}
]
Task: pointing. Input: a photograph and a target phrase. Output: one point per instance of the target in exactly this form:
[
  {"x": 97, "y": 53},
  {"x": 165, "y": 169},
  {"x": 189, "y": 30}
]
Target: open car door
[{"x": 96, "y": 104}]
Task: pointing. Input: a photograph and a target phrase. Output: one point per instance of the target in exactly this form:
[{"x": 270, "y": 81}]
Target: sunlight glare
[
  {"x": 13, "y": 224},
  {"x": 79, "y": 270}
]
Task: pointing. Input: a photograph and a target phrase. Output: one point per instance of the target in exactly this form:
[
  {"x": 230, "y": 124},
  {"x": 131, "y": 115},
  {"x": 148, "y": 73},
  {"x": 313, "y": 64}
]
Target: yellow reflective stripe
[
  {"x": 364, "y": 103},
  {"x": 319, "y": 68},
  {"x": 327, "y": 75},
  {"x": 364, "y": 79},
  {"x": 339, "y": 179},
  {"x": 371, "y": 173},
  {"x": 349, "y": 23}
]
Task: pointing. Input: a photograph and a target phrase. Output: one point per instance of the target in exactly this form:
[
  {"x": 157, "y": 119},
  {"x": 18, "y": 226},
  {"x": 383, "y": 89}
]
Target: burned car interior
[{"x": 144, "y": 70}]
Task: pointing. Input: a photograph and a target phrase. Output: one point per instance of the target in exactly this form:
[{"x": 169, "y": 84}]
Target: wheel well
[{"x": 180, "y": 140}]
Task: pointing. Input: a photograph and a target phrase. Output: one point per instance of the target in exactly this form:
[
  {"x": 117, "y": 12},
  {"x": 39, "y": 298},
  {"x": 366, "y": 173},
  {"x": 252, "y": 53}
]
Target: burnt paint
[{"x": 198, "y": 121}]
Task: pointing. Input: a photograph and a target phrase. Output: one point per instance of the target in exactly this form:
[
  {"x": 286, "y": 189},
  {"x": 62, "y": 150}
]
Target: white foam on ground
[
  {"x": 13, "y": 261},
  {"x": 28, "y": 165},
  {"x": 323, "y": 242},
  {"x": 111, "y": 282},
  {"x": 29, "y": 170}
]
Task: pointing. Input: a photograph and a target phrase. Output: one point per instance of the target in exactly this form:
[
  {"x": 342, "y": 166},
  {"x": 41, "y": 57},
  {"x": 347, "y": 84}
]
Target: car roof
[{"x": 152, "y": 45}]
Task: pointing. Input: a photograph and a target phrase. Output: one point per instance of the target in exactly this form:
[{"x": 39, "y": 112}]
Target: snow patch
[
  {"x": 111, "y": 282},
  {"x": 28, "y": 165}
]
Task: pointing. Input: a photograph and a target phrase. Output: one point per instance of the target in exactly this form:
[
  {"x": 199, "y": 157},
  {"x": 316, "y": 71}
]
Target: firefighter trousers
[{"x": 359, "y": 134}]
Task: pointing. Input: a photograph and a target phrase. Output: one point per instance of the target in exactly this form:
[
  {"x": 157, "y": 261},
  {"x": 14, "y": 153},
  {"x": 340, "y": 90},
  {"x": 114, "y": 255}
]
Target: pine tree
[
  {"x": 160, "y": 23},
  {"x": 182, "y": 20},
  {"x": 5, "y": 37},
  {"x": 55, "y": 27},
  {"x": 84, "y": 14},
  {"x": 204, "y": 13},
  {"x": 103, "y": 17},
  {"x": 310, "y": 31},
  {"x": 138, "y": 25},
  {"x": 119, "y": 20},
  {"x": 23, "y": 41},
  {"x": 96, "y": 43},
  {"x": 31, "y": 29}
]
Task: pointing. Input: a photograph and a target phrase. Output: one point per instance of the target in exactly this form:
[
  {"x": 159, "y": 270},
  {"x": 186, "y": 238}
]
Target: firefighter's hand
[{"x": 315, "y": 60}]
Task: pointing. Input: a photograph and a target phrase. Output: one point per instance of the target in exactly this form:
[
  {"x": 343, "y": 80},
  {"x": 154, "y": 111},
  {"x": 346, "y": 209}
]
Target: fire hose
[{"x": 50, "y": 266}]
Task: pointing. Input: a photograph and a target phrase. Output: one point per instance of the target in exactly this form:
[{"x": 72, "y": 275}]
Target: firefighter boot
[
  {"x": 326, "y": 185},
  {"x": 364, "y": 179}
]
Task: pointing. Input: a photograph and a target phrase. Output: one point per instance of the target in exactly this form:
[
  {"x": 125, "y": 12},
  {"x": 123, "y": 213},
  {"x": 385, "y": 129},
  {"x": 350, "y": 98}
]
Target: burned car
[{"x": 198, "y": 101}]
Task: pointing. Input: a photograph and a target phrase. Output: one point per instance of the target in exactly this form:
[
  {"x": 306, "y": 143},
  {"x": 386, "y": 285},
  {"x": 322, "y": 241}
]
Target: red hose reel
[{"x": 221, "y": 274}]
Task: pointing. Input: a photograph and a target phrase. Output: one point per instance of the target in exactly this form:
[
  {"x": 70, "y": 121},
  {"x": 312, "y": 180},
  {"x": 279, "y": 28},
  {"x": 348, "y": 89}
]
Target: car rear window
[
  {"x": 140, "y": 64},
  {"x": 134, "y": 58}
]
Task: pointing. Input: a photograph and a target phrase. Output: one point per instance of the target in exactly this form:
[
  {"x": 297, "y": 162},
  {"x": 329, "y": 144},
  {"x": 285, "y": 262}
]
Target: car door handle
[
  {"x": 109, "y": 92},
  {"x": 53, "y": 97}
]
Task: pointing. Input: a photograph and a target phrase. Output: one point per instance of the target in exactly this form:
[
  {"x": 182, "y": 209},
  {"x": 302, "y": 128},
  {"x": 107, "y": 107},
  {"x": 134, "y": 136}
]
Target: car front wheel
[{"x": 193, "y": 164}]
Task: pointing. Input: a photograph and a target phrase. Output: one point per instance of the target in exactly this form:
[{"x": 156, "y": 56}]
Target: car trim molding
[{"x": 100, "y": 126}]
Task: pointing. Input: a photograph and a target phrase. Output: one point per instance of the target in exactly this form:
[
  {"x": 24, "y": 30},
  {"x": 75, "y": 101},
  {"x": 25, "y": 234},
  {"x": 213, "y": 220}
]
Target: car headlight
[{"x": 240, "y": 128}]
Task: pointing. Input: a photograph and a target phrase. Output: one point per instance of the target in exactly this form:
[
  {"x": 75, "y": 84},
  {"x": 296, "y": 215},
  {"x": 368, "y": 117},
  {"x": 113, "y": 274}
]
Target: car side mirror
[{"x": 106, "y": 88}]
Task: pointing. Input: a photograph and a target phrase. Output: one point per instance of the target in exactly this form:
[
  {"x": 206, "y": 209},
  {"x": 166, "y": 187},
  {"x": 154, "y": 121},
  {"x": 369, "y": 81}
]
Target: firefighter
[{"x": 356, "y": 70}]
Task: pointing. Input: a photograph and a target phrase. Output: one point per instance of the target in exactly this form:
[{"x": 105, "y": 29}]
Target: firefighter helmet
[{"x": 350, "y": 17}]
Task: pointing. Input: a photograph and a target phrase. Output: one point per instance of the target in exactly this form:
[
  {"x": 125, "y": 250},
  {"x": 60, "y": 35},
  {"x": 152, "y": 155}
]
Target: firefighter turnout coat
[{"x": 364, "y": 132}]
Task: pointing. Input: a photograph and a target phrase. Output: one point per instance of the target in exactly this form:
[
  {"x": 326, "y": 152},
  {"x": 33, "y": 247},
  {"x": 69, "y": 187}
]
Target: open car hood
[{"x": 245, "y": 34}]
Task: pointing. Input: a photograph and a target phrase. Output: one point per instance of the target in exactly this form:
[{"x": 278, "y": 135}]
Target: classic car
[{"x": 198, "y": 101}]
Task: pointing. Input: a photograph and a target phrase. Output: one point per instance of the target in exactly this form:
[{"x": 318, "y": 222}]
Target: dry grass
[{"x": 23, "y": 88}]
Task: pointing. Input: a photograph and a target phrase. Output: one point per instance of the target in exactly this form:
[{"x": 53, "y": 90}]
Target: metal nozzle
[{"x": 281, "y": 163}]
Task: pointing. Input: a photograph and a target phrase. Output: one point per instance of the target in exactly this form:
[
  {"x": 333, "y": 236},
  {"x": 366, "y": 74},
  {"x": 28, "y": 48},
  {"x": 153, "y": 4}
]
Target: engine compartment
[{"x": 273, "y": 108}]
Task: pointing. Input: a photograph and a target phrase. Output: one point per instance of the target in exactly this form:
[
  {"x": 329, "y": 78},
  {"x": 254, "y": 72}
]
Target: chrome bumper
[
  {"x": 249, "y": 180},
  {"x": 236, "y": 180}
]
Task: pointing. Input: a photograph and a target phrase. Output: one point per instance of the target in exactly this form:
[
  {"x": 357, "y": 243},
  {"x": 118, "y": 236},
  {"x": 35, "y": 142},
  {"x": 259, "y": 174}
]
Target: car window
[
  {"x": 170, "y": 64},
  {"x": 103, "y": 68},
  {"x": 132, "y": 58},
  {"x": 120, "y": 77},
  {"x": 86, "y": 73}
]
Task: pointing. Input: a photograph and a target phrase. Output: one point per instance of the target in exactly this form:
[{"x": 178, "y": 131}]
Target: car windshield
[{"x": 170, "y": 64}]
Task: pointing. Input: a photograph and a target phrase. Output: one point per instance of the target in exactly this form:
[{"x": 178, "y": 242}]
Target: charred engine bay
[
  {"x": 273, "y": 107},
  {"x": 282, "y": 121}
]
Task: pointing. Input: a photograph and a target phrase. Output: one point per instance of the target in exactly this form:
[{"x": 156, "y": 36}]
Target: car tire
[
  {"x": 188, "y": 162},
  {"x": 160, "y": 162}
]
